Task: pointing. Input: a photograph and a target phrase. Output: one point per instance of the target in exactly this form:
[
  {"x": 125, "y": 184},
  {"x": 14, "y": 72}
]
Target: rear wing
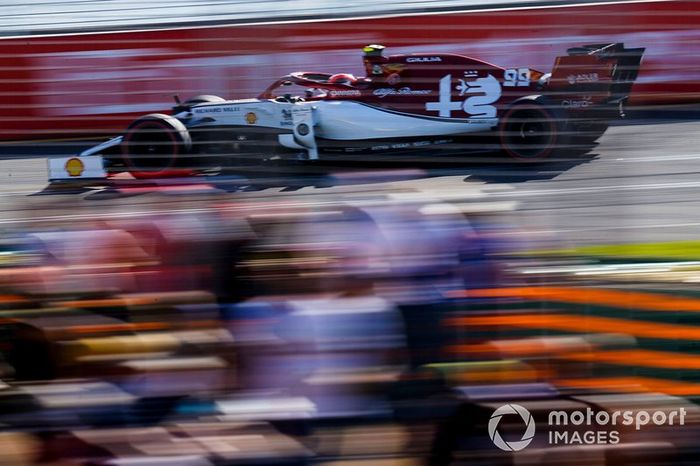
[
  {"x": 625, "y": 68},
  {"x": 606, "y": 71}
]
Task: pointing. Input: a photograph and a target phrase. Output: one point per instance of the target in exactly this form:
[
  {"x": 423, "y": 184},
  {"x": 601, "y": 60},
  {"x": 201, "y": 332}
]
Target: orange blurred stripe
[
  {"x": 581, "y": 324},
  {"x": 140, "y": 326},
  {"x": 475, "y": 349},
  {"x": 142, "y": 299},
  {"x": 106, "y": 328},
  {"x": 526, "y": 347},
  {"x": 639, "y": 357},
  {"x": 594, "y": 296},
  {"x": 98, "y": 303},
  {"x": 502, "y": 376},
  {"x": 633, "y": 385},
  {"x": 12, "y": 299}
]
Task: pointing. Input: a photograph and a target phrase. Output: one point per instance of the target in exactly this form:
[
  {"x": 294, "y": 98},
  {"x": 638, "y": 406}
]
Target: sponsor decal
[
  {"x": 405, "y": 145},
  {"x": 393, "y": 79},
  {"x": 74, "y": 167},
  {"x": 481, "y": 92},
  {"x": 583, "y": 78},
  {"x": 422, "y": 59},
  {"x": 471, "y": 73},
  {"x": 345, "y": 93},
  {"x": 287, "y": 119},
  {"x": 584, "y": 102},
  {"x": 251, "y": 118},
  {"x": 209, "y": 110},
  {"x": 398, "y": 145},
  {"x": 386, "y": 91},
  {"x": 301, "y": 112},
  {"x": 516, "y": 77}
]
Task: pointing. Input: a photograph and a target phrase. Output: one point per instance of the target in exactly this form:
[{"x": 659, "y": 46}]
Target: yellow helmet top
[{"x": 373, "y": 50}]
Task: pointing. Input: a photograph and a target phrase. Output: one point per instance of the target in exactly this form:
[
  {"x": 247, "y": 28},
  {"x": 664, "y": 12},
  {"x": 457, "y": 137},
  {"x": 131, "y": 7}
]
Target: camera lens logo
[{"x": 529, "y": 427}]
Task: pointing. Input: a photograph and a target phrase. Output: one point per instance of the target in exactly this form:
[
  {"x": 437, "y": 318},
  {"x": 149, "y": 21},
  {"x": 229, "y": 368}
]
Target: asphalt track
[{"x": 641, "y": 183}]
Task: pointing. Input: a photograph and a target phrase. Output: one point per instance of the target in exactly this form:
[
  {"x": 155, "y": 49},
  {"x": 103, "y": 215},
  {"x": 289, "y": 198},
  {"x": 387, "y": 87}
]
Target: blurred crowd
[{"x": 293, "y": 332}]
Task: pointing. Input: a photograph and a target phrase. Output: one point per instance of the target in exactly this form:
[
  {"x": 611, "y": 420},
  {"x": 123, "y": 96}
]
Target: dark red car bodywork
[{"x": 586, "y": 82}]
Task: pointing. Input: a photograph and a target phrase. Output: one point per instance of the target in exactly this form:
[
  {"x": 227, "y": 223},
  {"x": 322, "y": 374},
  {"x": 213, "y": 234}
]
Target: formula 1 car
[{"x": 405, "y": 102}]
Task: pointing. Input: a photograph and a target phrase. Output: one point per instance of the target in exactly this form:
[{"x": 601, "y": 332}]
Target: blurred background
[{"x": 363, "y": 313}]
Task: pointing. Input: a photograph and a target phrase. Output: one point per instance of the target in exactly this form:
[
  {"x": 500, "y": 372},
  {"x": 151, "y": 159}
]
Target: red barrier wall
[{"x": 71, "y": 85}]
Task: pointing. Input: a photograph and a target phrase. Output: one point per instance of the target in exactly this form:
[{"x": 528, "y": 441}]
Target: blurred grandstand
[{"x": 379, "y": 325}]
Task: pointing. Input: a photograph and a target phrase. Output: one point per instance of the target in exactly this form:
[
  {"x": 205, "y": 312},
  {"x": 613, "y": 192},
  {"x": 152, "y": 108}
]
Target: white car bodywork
[
  {"x": 301, "y": 123},
  {"x": 339, "y": 120}
]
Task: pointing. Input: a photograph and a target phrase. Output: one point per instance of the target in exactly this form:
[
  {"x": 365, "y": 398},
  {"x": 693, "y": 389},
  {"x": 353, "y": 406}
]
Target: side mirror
[{"x": 178, "y": 106}]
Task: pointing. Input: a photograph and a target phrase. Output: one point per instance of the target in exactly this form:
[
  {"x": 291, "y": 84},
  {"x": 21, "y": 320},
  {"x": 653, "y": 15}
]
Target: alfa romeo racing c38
[{"x": 406, "y": 101}]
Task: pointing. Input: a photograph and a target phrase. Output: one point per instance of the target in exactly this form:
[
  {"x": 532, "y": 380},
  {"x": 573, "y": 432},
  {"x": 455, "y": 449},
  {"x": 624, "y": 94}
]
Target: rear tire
[
  {"x": 529, "y": 131},
  {"x": 154, "y": 145}
]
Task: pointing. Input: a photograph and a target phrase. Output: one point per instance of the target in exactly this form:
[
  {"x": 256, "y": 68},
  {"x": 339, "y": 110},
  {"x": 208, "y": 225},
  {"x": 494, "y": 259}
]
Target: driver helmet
[
  {"x": 342, "y": 78},
  {"x": 373, "y": 50},
  {"x": 374, "y": 60}
]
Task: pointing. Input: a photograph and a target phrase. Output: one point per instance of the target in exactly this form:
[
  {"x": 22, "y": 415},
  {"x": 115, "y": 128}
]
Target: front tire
[
  {"x": 529, "y": 131},
  {"x": 154, "y": 145}
]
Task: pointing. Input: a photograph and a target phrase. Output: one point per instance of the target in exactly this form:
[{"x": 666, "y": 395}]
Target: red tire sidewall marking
[{"x": 166, "y": 172}]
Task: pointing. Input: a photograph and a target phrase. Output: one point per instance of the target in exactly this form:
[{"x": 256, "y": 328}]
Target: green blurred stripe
[{"x": 675, "y": 251}]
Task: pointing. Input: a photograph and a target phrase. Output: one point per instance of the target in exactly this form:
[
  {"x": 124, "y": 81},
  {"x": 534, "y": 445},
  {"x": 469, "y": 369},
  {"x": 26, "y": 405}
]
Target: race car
[{"x": 407, "y": 101}]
